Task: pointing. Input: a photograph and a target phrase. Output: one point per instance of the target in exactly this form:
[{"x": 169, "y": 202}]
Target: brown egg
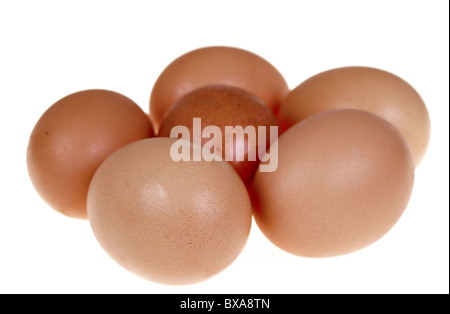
[
  {"x": 167, "y": 221},
  {"x": 343, "y": 180},
  {"x": 216, "y": 65},
  {"x": 73, "y": 137},
  {"x": 225, "y": 106},
  {"x": 364, "y": 88}
]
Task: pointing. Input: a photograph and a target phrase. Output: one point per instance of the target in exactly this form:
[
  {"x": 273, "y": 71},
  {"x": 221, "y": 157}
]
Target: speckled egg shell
[
  {"x": 222, "y": 106},
  {"x": 166, "y": 221}
]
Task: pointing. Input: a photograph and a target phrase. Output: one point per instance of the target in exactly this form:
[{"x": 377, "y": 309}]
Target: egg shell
[
  {"x": 222, "y": 106},
  {"x": 169, "y": 222},
  {"x": 344, "y": 179},
  {"x": 364, "y": 88},
  {"x": 216, "y": 65},
  {"x": 73, "y": 137}
]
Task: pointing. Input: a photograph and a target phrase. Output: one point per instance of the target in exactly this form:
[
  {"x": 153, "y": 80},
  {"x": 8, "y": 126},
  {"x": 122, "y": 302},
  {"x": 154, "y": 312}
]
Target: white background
[{"x": 49, "y": 49}]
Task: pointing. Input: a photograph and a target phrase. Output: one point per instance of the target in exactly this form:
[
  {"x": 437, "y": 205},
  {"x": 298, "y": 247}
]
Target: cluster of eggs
[{"x": 348, "y": 143}]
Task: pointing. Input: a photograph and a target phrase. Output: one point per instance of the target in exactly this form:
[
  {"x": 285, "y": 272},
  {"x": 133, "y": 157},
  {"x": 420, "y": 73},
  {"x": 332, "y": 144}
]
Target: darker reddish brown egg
[{"x": 239, "y": 122}]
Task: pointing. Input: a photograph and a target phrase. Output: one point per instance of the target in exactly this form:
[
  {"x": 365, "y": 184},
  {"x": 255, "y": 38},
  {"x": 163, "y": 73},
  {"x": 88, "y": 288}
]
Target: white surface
[{"x": 52, "y": 48}]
